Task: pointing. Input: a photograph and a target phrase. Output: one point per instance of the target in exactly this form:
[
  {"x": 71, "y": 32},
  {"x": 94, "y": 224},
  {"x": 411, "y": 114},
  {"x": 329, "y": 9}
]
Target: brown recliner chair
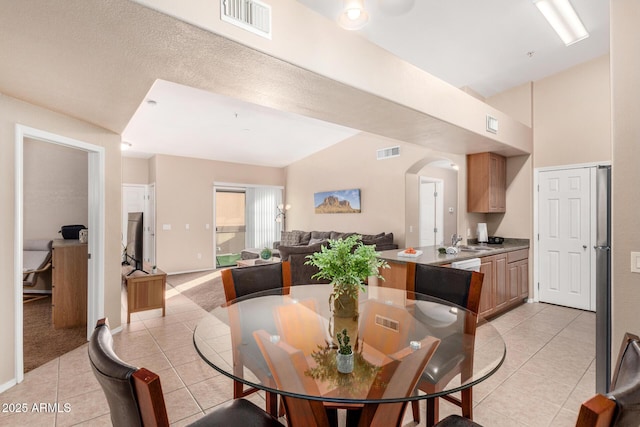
[
  {"x": 135, "y": 395},
  {"x": 621, "y": 406}
]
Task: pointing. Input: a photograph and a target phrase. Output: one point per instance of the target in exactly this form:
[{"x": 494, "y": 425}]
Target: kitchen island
[{"x": 505, "y": 267}]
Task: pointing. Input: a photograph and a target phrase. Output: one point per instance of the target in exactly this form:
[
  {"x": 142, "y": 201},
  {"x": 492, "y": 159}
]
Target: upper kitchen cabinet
[{"x": 486, "y": 183}]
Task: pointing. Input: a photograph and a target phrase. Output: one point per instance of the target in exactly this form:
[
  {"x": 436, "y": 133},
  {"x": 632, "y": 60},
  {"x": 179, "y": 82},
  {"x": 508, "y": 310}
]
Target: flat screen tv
[{"x": 135, "y": 237}]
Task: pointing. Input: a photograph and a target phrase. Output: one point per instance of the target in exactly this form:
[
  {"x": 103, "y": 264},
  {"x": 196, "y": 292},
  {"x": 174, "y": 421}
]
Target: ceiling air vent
[
  {"x": 251, "y": 15},
  {"x": 387, "y": 153}
]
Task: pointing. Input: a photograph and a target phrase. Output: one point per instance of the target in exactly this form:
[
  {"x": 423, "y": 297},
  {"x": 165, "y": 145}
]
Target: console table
[{"x": 144, "y": 291}]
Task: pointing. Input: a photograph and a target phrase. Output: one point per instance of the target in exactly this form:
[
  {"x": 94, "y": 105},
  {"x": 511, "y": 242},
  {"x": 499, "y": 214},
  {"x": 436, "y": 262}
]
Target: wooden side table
[{"x": 144, "y": 291}]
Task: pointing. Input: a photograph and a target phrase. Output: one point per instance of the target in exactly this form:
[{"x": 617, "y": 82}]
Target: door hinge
[
  {"x": 538, "y": 286},
  {"x": 88, "y": 256},
  {"x": 538, "y": 187},
  {"x": 435, "y": 230},
  {"x": 538, "y": 236},
  {"x": 435, "y": 194}
]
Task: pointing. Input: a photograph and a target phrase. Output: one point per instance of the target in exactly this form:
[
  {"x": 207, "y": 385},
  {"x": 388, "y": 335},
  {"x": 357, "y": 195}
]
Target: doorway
[
  {"x": 566, "y": 232},
  {"x": 95, "y": 223},
  {"x": 431, "y": 211},
  {"x": 141, "y": 198}
]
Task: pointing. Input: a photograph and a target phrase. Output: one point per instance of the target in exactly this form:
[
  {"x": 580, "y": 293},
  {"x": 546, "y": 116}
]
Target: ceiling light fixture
[
  {"x": 353, "y": 16},
  {"x": 564, "y": 20},
  {"x": 124, "y": 146}
]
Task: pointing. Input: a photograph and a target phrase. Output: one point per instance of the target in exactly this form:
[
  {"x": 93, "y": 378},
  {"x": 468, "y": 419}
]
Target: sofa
[{"x": 295, "y": 246}]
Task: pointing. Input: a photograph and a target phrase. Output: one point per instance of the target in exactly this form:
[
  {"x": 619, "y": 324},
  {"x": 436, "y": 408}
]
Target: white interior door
[
  {"x": 431, "y": 212},
  {"x": 133, "y": 200},
  {"x": 150, "y": 226},
  {"x": 564, "y": 226}
]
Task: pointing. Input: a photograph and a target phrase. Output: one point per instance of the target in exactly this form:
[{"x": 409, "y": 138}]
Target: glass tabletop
[{"x": 284, "y": 341}]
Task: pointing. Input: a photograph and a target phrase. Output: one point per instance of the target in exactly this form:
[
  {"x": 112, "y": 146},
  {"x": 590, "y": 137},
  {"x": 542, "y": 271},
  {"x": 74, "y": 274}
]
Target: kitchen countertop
[{"x": 430, "y": 254}]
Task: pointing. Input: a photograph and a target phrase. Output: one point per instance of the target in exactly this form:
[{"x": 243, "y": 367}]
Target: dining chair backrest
[
  {"x": 621, "y": 406},
  {"x": 400, "y": 378},
  {"x": 135, "y": 395},
  {"x": 459, "y": 287},
  {"x": 239, "y": 282},
  {"x": 287, "y": 365}
]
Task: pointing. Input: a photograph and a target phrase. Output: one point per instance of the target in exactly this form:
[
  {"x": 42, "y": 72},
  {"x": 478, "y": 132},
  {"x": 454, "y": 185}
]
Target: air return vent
[
  {"x": 387, "y": 153},
  {"x": 251, "y": 15}
]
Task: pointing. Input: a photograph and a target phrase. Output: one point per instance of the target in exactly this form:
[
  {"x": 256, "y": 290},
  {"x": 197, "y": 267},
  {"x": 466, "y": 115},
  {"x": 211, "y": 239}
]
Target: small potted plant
[
  {"x": 344, "y": 356},
  {"x": 347, "y": 268},
  {"x": 154, "y": 269}
]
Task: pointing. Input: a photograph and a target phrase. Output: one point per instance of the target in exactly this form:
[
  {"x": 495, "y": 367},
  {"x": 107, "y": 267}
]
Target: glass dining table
[{"x": 298, "y": 321}]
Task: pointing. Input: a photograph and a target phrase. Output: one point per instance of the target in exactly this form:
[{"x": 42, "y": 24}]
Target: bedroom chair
[
  {"x": 463, "y": 288},
  {"x": 621, "y": 406},
  {"x": 36, "y": 259},
  {"x": 135, "y": 395},
  {"x": 242, "y": 282}
]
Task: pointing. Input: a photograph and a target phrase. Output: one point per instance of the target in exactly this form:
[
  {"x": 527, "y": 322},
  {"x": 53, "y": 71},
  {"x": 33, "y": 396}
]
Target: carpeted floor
[
  {"x": 203, "y": 288},
  {"x": 42, "y": 342}
]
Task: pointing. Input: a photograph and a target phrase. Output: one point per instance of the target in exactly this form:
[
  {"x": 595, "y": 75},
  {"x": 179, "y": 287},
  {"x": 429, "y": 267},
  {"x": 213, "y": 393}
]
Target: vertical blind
[{"x": 262, "y": 209}]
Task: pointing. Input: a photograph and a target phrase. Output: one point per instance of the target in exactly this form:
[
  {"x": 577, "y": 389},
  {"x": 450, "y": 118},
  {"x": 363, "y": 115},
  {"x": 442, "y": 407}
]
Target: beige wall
[
  {"x": 625, "y": 69},
  {"x": 184, "y": 195},
  {"x": 13, "y": 111},
  {"x": 55, "y": 189},
  {"x": 571, "y": 116},
  {"x": 135, "y": 170}
]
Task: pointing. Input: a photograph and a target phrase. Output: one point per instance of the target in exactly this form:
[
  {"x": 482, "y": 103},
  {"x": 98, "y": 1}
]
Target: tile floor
[{"x": 549, "y": 370}]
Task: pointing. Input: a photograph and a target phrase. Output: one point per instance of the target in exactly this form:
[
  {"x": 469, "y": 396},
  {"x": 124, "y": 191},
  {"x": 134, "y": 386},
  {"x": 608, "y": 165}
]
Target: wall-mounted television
[{"x": 135, "y": 240}]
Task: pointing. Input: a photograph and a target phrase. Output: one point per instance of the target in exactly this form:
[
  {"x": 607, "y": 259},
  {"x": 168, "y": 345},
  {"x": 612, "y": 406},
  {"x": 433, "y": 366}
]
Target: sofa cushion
[
  {"x": 335, "y": 235},
  {"x": 305, "y": 236},
  {"x": 289, "y": 238},
  {"x": 285, "y": 251},
  {"x": 323, "y": 235},
  {"x": 382, "y": 241},
  {"x": 368, "y": 238}
]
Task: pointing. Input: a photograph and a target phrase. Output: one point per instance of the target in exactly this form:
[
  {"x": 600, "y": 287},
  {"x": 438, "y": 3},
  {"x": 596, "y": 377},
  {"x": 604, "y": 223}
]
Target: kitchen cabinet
[
  {"x": 494, "y": 295},
  {"x": 69, "y": 283},
  {"x": 486, "y": 183},
  {"x": 518, "y": 274}
]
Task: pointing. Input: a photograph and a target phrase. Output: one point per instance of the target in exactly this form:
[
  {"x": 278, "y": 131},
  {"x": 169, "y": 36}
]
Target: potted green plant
[
  {"x": 347, "y": 268},
  {"x": 344, "y": 356}
]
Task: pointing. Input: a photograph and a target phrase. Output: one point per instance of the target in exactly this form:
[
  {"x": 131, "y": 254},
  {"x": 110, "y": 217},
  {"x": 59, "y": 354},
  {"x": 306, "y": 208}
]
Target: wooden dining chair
[
  {"x": 135, "y": 394},
  {"x": 242, "y": 282},
  {"x": 400, "y": 376},
  {"x": 461, "y": 288},
  {"x": 621, "y": 406}
]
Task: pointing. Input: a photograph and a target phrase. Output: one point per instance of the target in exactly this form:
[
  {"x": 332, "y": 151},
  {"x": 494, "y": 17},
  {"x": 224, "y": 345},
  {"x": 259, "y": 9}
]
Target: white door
[
  {"x": 564, "y": 227},
  {"x": 133, "y": 200},
  {"x": 150, "y": 226},
  {"x": 431, "y": 212}
]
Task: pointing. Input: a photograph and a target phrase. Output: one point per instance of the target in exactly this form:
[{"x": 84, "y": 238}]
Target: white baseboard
[{"x": 6, "y": 386}]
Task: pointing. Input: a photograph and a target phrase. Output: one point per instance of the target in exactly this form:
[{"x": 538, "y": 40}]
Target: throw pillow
[
  {"x": 305, "y": 236},
  {"x": 289, "y": 238},
  {"x": 369, "y": 239},
  {"x": 316, "y": 241},
  {"x": 321, "y": 234}
]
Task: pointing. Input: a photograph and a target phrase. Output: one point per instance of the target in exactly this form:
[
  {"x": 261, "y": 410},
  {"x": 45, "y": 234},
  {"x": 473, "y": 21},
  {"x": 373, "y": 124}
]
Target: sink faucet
[{"x": 455, "y": 239}]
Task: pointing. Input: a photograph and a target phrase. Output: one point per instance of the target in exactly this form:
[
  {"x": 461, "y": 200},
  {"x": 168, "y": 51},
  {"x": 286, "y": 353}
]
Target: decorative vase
[
  {"x": 266, "y": 253},
  {"x": 344, "y": 363},
  {"x": 345, "y": 306}
]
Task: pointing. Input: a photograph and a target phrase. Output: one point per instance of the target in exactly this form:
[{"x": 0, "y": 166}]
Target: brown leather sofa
[{"x": 296, "y": 245}]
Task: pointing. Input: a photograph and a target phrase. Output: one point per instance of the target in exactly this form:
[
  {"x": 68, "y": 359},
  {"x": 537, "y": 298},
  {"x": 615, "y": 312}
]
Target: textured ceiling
[{"x": 97, "y": 59}]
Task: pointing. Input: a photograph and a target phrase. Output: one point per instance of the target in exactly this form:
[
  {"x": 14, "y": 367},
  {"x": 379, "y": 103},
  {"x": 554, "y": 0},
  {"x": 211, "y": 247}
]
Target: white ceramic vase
[{"x": 344, "y": 363}]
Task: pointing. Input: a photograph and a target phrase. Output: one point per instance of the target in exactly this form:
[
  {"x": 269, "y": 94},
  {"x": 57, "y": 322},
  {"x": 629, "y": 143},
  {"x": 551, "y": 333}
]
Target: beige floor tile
[
  {"x": 195, "y": 372},
  {"x": 28, "y": 419},
  {"x": 180, "y": 405},
  {"x": 489, "y": 418},
  {"x": 521, "y": 407},
  {"x": 73, "y": 385},
  {"x": 213, "y": 391},
  {"x": 537, "y": 387},
  {"x": 181, "y": 355},
  {"x": 83, "y": 407},
  {"x": 565, "y": 418},
  {"x": 154, "y": 362}
]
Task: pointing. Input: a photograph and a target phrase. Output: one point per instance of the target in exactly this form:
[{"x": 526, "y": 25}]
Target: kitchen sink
[{"x": 472, "y": 248}]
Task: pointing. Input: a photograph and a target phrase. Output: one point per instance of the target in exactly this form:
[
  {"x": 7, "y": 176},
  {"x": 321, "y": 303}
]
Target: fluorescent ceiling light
[
  {"x": 564, "y": 20},
  {"x": 353, "y": 16}
]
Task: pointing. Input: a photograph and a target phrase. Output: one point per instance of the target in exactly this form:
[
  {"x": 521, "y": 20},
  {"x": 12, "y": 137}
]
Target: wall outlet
[
  {"x": 166, "y": 227},
  {"x": 199, "y": 255},
  {"x": 635, "y": 262},
  {"x": 186, "y": 226},
  {"x": 206, "y": 226}
]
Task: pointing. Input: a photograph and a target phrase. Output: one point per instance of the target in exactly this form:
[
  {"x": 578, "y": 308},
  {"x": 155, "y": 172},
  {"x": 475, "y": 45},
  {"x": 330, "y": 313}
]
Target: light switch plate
[
  {"x": 166, "y": 227},
  {"x": 635, "y": 262}
]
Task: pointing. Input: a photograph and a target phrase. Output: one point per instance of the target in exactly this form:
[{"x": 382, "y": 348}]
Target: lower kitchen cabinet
[{"x": 494, "y": 296}]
